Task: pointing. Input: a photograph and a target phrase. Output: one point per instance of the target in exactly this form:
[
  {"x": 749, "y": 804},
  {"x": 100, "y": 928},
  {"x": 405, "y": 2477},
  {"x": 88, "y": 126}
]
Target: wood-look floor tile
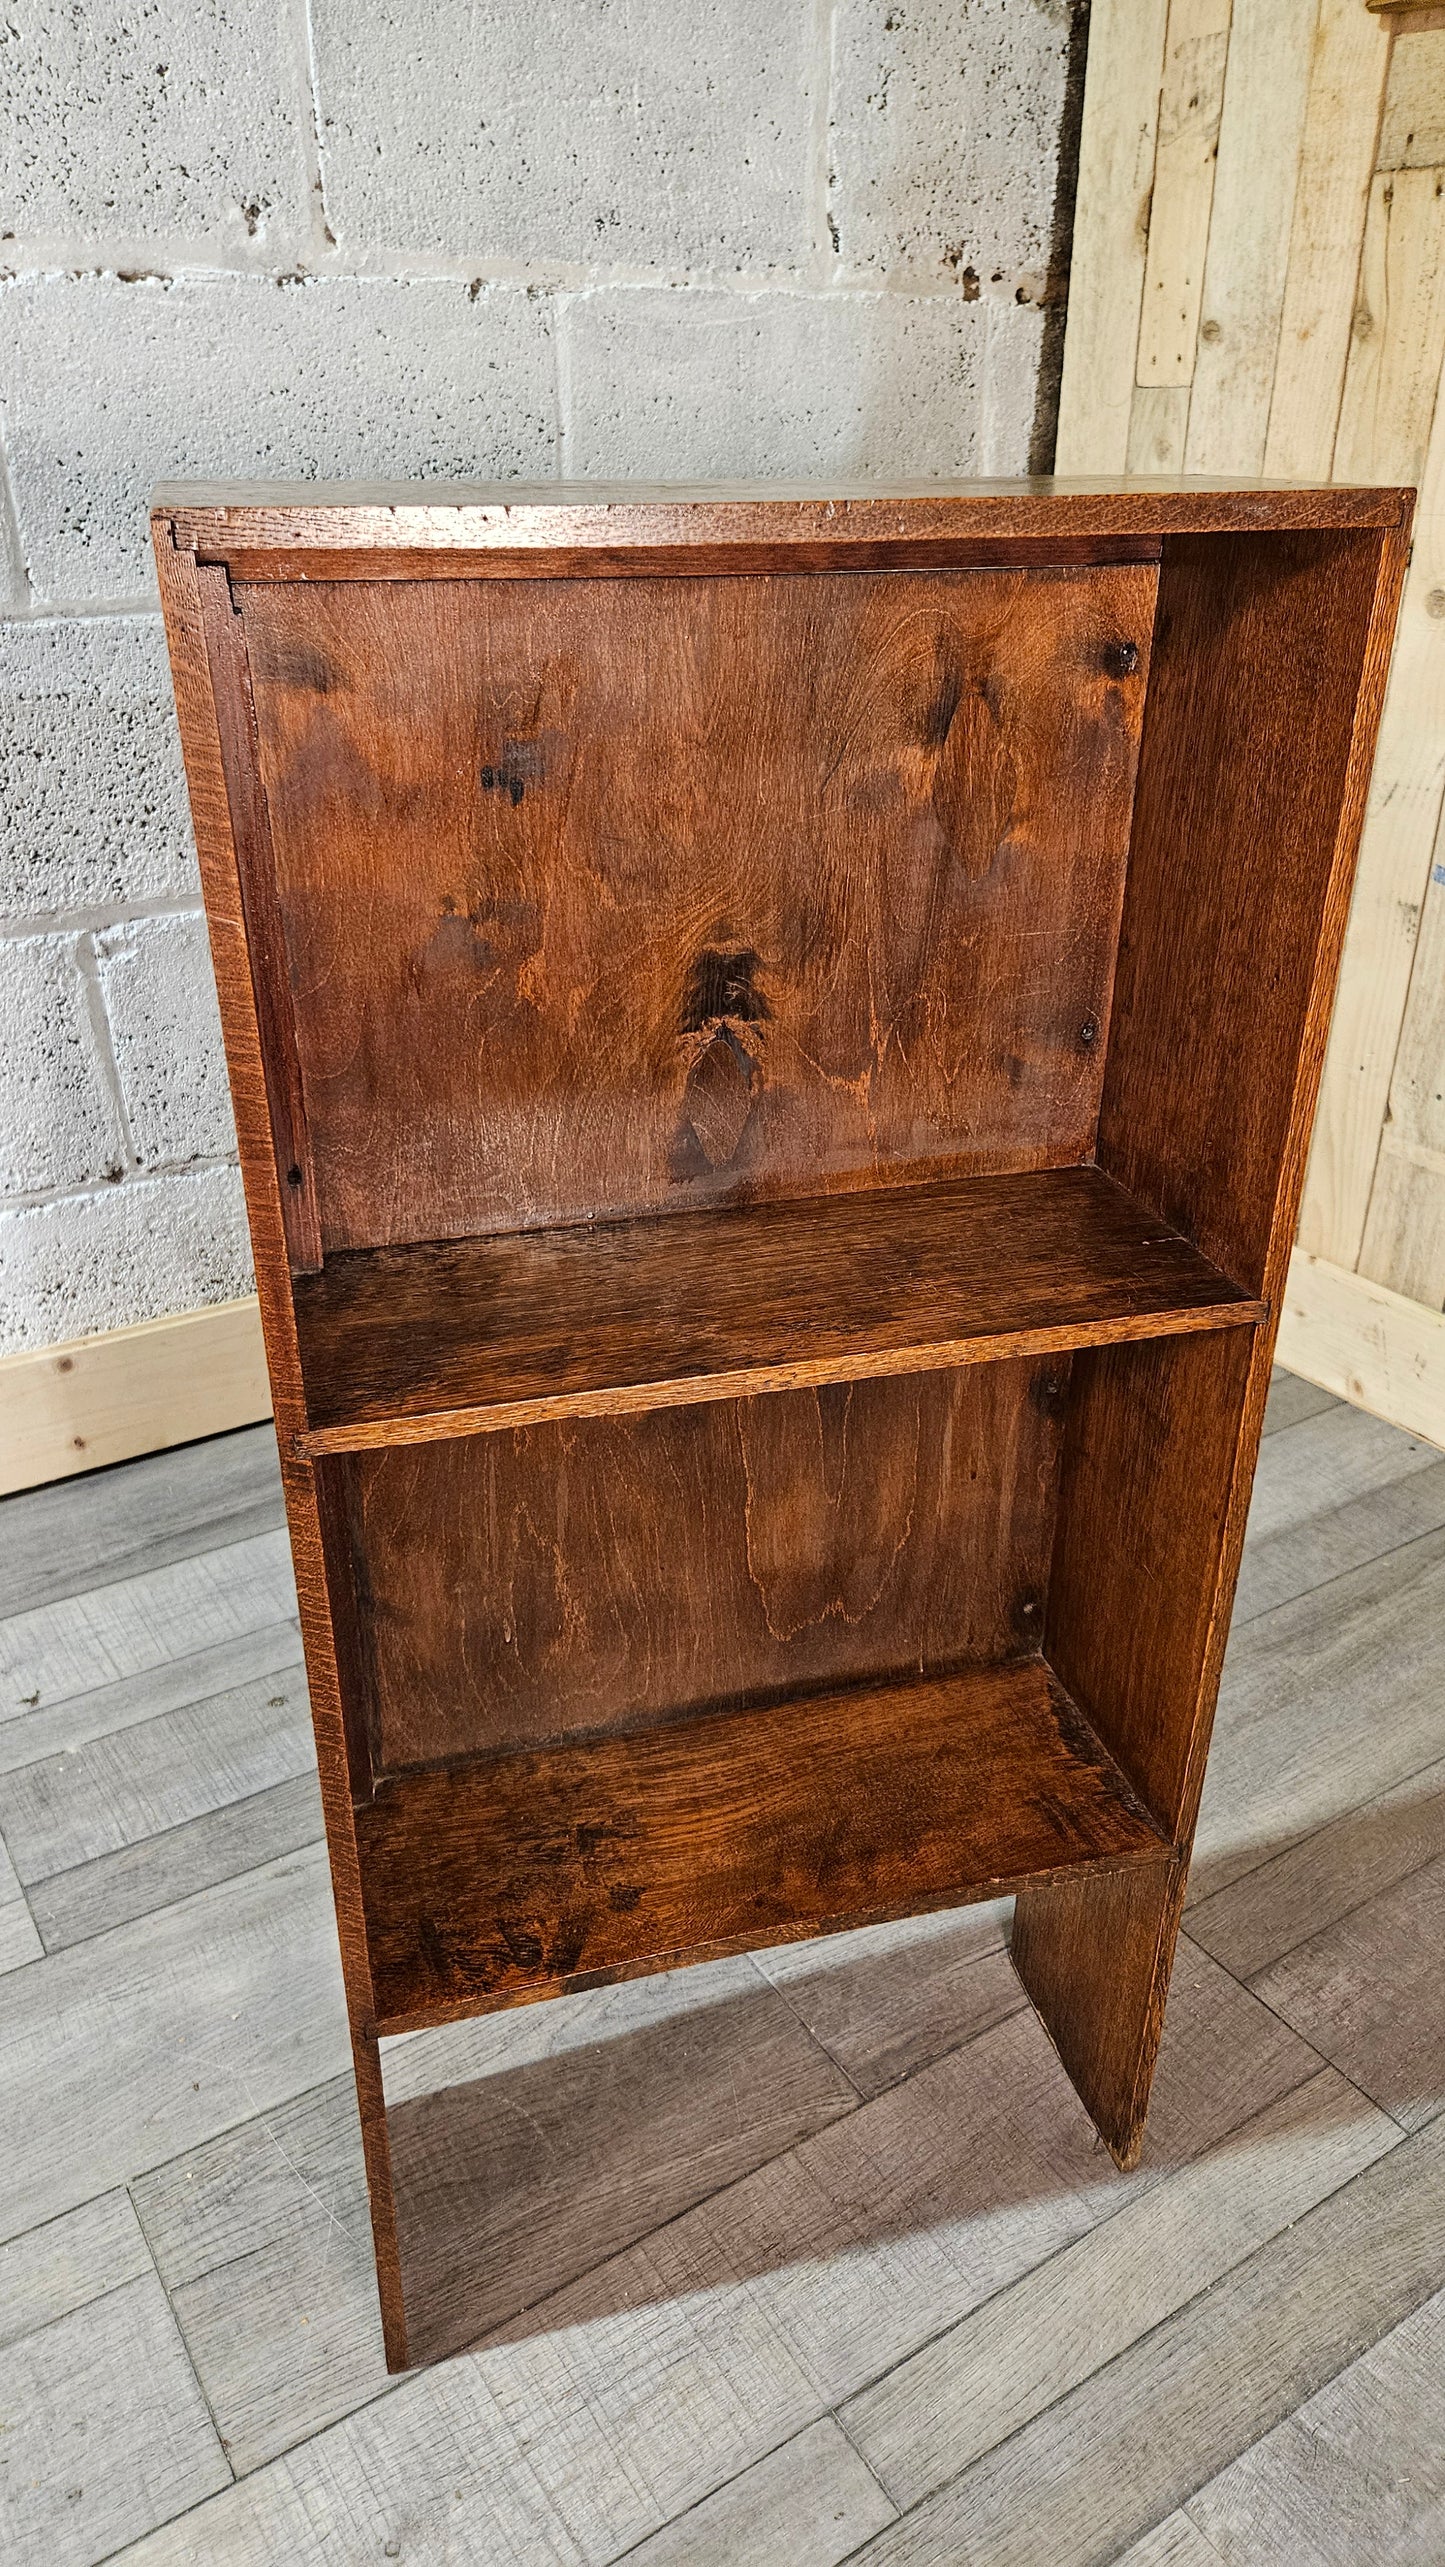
[
  {"x": 119, "y": 2053},
  {"x": 56, "y": 1650},
  {"x": 140, "y": 1781},
  {"x": 273, "y": 1648},
  {"x": 1312, "y": 1885},
  {"x": 1332, "y": 1493},
  {"x": 139, "y": 1516},
  {"x": 1136, "y": 2439},
  {"x": 106, "y": 2431},
  {"x": 1357, "y": 2477},
  {"x": 1369, "y": 1994},
  {"x": 808, "y": 2504},
  {"x": 1300, "y": 1736},
  {"x": 968, "y": 2390},
  {"x": 78, "y": 2257},
  {"x": 68, "y": 1907}
]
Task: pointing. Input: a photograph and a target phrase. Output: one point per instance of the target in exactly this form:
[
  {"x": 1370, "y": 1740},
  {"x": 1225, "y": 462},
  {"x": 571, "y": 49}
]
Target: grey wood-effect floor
[{"x": 775, "y": 2263}]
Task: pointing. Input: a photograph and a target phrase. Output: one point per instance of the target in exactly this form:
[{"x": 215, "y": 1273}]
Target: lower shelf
[{"x": 527, "y": 1874}]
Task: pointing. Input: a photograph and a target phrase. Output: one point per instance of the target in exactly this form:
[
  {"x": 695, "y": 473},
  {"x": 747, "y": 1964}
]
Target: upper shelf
[{"x": 402, "y": 1345}]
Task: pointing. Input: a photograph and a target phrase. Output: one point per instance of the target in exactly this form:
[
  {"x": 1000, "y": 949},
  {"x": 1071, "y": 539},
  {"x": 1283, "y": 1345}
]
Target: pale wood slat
[
  {"x": 1412, "y": 131},
  {"x": 1158, "y": 426},
  {"x": 1260, "y": 135},
  {"x": 1106, "y": 281},
  {"x": 1398, "y": 334},
  {"x": 1395, "y": 852},
  {"x": 1342, "y": 121},
  {"x": 1366, "y": 1343},
  {"x": 1189, "y": 113}
]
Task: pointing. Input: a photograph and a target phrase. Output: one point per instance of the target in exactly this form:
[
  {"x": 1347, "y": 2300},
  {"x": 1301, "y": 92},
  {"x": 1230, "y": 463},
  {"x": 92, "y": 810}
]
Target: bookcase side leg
[
  {"x": 1095, "y": 1956},
  {"x": 376, "y": 2150},
  {"x": 1158, "y": 1454}
]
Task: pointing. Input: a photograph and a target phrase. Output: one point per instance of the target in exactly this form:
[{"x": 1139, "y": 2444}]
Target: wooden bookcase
[{"x": 773, "y": 1038}]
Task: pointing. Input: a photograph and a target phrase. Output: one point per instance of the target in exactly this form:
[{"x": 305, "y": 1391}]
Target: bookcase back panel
[
  {"x": 630, "y": 895},
  {"x": 516, "y": 1587}
]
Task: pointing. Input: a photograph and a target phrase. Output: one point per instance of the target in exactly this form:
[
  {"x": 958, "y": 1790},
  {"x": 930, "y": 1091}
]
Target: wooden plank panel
[
  {"x": 1412, "y": 130},
  {"x": 998, "y": 2371},
  {"x": 553, "y": 529},
  {"x": 602, "y": 977},
  {"x": 1404, "y": 1244},
  {"x": 1366, "y": 1343},
  {"x": 1189, "y": 112},
  {"x": 1260, "y": 135},
  {"x": 593, "y": 1577},
  {"x": 492, "y": 1882},
  {"x": 1404, "y": 805},
  {"x": 1342, "y": 119},
  {"x": 499, "y": 1332},
  {"x": 1398, "y": 332},
  {"x": 1111, "y": 232},
  {"x": 1158, "y": 428}
]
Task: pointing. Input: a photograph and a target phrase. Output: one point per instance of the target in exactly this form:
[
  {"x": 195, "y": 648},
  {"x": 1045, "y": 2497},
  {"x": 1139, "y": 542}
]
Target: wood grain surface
[
  {"x": 516, "y": 1587},
  {"x": 441, "y": 1338},
  {"x": 513, "y": 1876},
  {"x": 619, "y": 898}
]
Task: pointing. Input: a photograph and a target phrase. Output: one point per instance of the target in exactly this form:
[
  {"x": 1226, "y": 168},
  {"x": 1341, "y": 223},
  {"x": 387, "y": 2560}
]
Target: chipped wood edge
[
  {"x": 1366, "y": 1344},
  {"x": 107, "y": 1398}
]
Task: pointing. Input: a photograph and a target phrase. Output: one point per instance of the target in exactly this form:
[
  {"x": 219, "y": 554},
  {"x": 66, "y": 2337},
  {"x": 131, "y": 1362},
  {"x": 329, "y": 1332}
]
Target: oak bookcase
[{"x": 773, "y": 1037}]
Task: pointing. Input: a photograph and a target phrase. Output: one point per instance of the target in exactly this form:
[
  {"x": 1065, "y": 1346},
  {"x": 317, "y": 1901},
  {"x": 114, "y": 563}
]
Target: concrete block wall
[{"x": 367, "y": 238}]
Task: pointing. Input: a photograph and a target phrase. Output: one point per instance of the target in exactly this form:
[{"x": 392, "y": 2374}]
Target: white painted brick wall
[{"x": 411, "y": 238}]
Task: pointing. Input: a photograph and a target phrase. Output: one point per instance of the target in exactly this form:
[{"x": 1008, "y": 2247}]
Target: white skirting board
[
  {"x": 1366, "y": 1344},
  {"x": 170, "y": 1381},
  {"x": 133, "y": 1390}
]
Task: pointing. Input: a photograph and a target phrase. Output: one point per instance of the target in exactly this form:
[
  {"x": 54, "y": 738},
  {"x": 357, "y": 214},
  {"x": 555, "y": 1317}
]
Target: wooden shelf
[
  {"x": 526, "y": 1874},
  {"x": 465, "y": 1336}
]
